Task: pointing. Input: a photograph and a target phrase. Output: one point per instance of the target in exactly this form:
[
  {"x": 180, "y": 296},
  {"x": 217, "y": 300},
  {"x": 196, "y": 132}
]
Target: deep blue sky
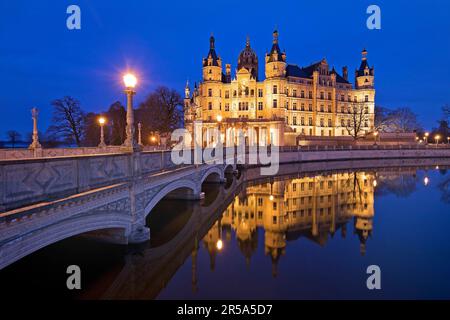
[{"x": 165, "y": 41}]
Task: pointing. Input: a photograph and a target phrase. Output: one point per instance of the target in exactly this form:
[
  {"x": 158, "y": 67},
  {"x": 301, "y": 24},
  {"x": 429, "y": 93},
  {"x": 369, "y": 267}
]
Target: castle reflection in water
[{"x": 311, "y": 207}]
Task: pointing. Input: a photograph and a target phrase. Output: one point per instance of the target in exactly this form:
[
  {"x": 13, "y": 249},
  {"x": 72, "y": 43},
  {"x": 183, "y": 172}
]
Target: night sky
[{"x": 164, "y": 43}]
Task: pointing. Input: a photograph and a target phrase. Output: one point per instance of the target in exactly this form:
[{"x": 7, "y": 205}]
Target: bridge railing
[{"x": 31, "y": 180}]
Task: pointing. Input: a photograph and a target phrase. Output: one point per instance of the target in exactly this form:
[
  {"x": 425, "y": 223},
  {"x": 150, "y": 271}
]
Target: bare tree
[
  {"x": 403, "y": 120},
  {"x": 117, "y": 123},
  {"x": 162, "y": 110},
  {"x": 382, "y": 119},
  {"x": 357, "y": 120},
  {"x": 91, "y": 136},
  {"x": 446, "y": 111},
  {"x": 13, "y": 137},
  {"x": 68, "y": 120}
]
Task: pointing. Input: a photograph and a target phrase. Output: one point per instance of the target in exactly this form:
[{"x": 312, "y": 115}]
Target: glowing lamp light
[
  {"x": 219, "y": 244},
  {"x": 375, "y": 183},
  {"x": 437, "y": 167},
  {"x": 130, "y": 80},
  {"x": 426, "y": 134},
  {"x": 153, "y": 138},
  {"x": 271, "y": 198},
  {"x": 219, "y": 118},
  {"x": 426, "y": 181},
  {"x": 101, "y": 120}
]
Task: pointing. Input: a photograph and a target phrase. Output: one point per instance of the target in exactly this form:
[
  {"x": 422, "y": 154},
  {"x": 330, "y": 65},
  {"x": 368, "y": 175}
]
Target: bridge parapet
[{"x": 28, "y": 181}]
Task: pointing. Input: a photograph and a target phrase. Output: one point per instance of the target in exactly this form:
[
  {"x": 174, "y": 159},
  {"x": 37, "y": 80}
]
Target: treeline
[
  {"x": 404, "y": 120},
  {"x": 161, "y": 111}
]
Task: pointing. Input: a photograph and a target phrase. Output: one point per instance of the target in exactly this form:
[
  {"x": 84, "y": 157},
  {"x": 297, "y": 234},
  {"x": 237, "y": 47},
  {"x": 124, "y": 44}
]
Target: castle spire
[
  {"x": 275, "y": 36},
  {"x": 364, "y": 54},
  {"x": 211, "y": 41}
]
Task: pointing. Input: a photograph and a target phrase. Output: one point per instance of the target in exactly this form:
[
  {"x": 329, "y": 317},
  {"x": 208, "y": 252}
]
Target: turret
[
  {"x": 248, "y": 60},
  {"x": 275, "y": 60},
  {"x": 228, "y": 73},
  {"x": 212, "y": 64},
  {"x": 345, "y": 73},
  {"x": 187, "y": 91},
  {"x": 364, "y": 76}
]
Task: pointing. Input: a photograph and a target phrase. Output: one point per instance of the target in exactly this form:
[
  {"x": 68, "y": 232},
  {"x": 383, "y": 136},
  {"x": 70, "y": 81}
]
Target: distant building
[{"x": 290, "y": 102}]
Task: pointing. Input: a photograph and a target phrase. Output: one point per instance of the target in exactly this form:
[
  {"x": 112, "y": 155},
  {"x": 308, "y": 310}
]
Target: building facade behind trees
[{"x": 291, "y": 102}]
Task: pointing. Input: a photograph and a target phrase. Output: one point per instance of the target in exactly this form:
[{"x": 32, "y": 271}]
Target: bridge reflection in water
[{"x": 315, "y": 206}]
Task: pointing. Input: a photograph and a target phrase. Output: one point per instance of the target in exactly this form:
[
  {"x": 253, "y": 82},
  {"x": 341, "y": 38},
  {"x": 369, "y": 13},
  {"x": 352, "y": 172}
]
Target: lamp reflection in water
[
  {"x": 219, "y": 244},
  {"x": 426, "y": 181}
]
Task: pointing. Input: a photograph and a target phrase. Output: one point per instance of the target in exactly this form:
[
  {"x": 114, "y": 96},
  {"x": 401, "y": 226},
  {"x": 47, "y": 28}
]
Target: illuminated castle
[{"x": 290, "y": 103}]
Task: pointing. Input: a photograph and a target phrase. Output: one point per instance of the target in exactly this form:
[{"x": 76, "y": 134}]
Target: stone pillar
[
  {"x": 35, "y": 140},
  {"x": 130, "y": 144},
  {"x": 102, "y": 143},
  {"x": 139, "y": 134}
]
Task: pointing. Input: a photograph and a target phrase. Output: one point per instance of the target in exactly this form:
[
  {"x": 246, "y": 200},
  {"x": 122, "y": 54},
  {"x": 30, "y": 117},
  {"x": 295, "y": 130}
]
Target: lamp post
[
  {"x": 448, "y": 140},
  {"x": 426, "y": 137},
  {"x": 375, "y": 135},
  {"x": 139, "y": 134},
  {"x": 102, "y": 122},
  {"x": 130, "y": 82},
  {"x": 436, "y": 138},
  {"x": 35, "y": 142},
  {"x": 153, "y": 139}
]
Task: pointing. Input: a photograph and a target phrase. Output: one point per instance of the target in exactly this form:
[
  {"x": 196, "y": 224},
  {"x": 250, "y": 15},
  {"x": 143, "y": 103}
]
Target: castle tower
[
  {"x": 187, "y": 91},
  {"x": 275, "y": 60},
  {"x": 212, "y": 64},
  {"x": 364, "y": 76},
  {"x": 248, "y": 60}
]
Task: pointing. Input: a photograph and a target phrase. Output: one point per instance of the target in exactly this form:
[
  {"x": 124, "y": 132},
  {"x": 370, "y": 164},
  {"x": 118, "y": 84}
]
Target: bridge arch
[
  {"x": 214, "y": 174},
  {"x": 183, "y": 185},
  {"x": 15, "y": 250}
]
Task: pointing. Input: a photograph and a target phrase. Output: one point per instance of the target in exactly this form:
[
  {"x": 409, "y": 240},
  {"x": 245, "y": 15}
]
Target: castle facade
[{"x": 290, "y": 103}]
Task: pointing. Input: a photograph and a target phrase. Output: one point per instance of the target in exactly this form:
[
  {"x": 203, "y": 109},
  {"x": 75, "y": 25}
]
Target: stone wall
[{"x": 24, "y": 182}]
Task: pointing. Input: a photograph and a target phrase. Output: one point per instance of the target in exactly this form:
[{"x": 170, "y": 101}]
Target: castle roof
[
  {"x": 364, "y": 64},
  {"x": 275, "y": 50},
  {"x": 211, "y": 54},
  {"x": 293, "y": 70}
]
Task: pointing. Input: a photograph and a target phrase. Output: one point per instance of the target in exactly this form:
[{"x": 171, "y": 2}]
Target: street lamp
[
  {"x": 152, "y": 139},
  {"x": 130, "y": 82},
  {"x": 426, "y": 137},
  {"x": 436, "y": 138},
  {"x": 102, "y": 122},
  {"x": 375, "y": 134}
]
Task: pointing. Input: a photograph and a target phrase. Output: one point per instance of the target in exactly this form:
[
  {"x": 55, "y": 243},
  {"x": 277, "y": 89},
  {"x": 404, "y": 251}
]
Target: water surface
[{"x": 311, "y": 236}]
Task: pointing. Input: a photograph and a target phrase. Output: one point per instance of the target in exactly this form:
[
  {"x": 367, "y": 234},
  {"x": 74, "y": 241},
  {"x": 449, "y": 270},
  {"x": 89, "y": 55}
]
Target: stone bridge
[{"x": 47, "y": 200}]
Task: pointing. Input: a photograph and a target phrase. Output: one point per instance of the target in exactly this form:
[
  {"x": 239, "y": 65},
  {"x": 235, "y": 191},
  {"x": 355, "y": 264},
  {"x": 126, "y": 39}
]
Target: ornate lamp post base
[
  {"x": 131, "y": 146},
  {"x": 35, "y": 145}
]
